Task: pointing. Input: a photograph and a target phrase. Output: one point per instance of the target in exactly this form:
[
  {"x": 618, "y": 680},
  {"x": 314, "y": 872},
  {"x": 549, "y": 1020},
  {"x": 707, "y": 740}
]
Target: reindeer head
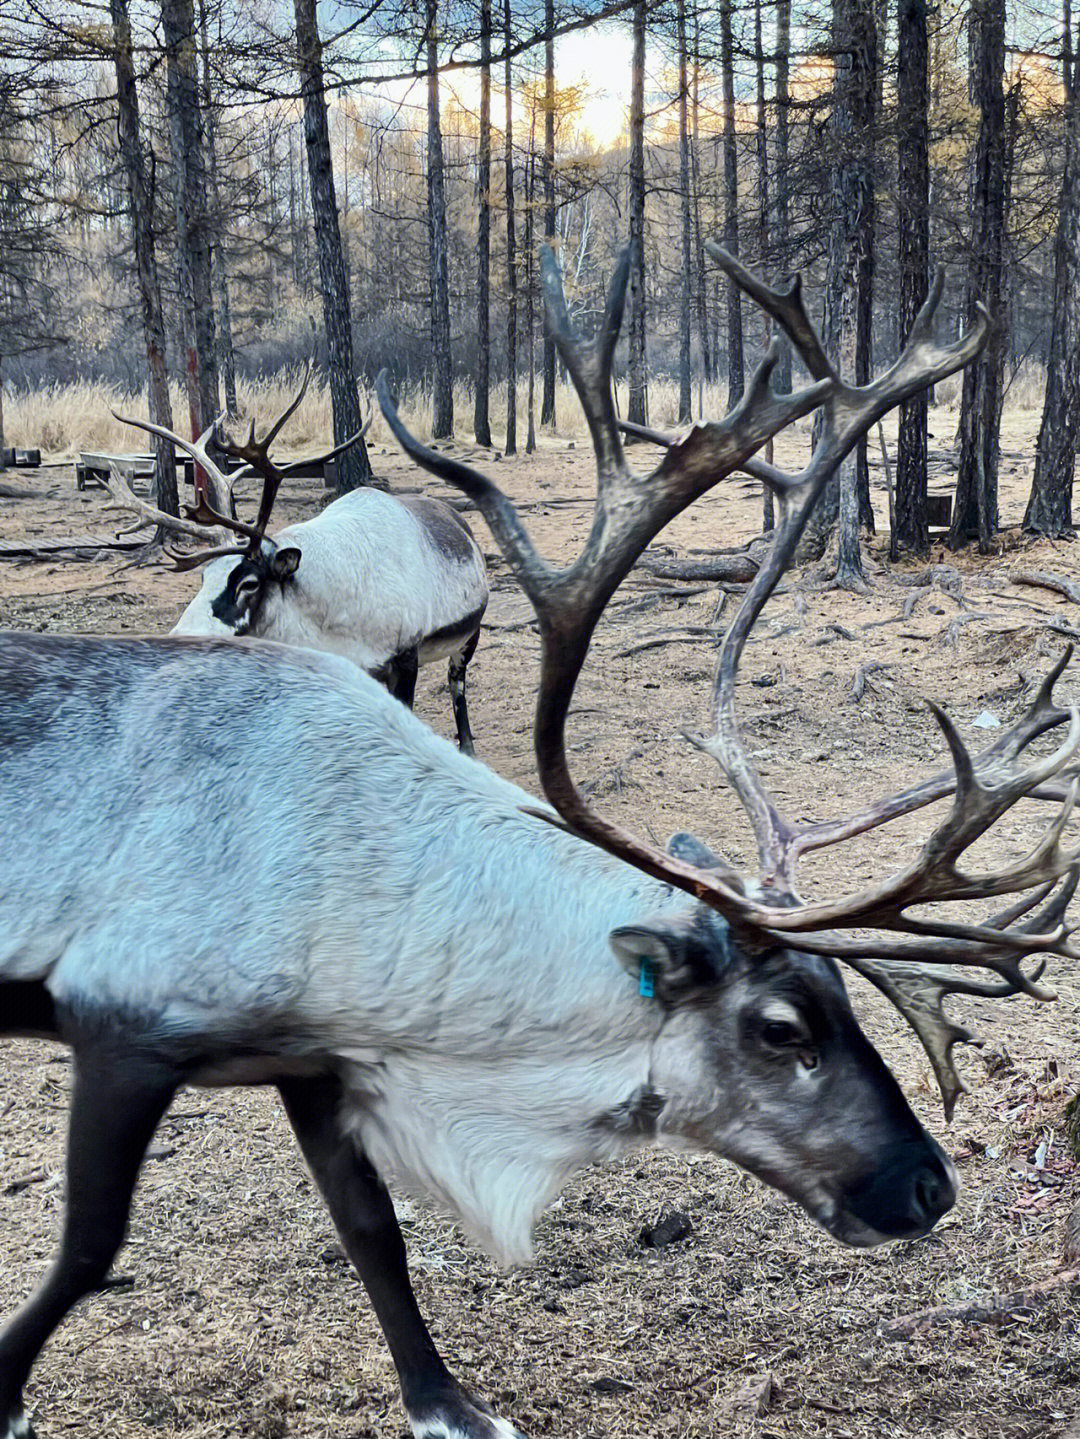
[{"x": 800, "y": 1096}]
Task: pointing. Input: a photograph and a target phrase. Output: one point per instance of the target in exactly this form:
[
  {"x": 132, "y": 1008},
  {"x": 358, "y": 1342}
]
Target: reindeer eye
[{"x": 782, "y": 1034}]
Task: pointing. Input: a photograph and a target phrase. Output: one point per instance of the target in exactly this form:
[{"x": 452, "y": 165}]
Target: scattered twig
[
  {"x": 994, "y": 1309},
  {"x": 692, "y": 634},
  {"x": 862, "y": 679},
  {"x": 36, "y": 1176}
]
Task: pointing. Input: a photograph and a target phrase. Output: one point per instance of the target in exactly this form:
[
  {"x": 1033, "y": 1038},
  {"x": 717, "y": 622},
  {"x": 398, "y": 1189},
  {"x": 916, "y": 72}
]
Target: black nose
[{"x": 908, "y": 1193}]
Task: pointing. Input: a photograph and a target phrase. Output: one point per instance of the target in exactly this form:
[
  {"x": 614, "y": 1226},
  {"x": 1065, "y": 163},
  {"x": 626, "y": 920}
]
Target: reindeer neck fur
[{"x": 306, "y": 876}]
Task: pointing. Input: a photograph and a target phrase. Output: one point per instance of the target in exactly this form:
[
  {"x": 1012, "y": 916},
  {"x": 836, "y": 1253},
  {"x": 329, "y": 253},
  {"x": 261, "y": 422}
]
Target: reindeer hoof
[{"x": 456, "y": 1416}]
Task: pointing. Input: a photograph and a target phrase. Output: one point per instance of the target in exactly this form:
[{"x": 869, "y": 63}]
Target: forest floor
[{"x": 239, "y": 1317}]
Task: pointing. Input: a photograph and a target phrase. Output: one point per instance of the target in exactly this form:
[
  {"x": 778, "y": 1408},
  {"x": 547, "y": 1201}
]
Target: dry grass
[{"x": 64, "y": 419}]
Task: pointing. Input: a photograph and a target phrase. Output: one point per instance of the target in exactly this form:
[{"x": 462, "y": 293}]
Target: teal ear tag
[{"x": 647, "y": 979}]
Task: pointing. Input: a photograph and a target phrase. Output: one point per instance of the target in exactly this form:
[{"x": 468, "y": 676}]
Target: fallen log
[
  {"x": 734, "y": 569},
  {"x": 83, "y": 547}
]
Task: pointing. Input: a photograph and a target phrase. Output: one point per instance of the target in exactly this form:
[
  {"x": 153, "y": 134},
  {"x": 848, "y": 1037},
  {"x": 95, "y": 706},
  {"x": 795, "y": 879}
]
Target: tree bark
[
  {"x": 851, "y": 130},
  {"x": 140, "y": 192},
  {"x": 684, "y": 200},
  {"x": 547, "y": 403},
  {"x": 530, "y": 286},
  {"x": 225, "y": 355},
  {"x": 731, "y": 206},
  {"x": 976, "y": 512},
  {"x": 354, "y": 467},
  {"x": 192, "y": 221},
  {"x": 768, "y": 517},
  {"x": 442, "y": 398},
  {"x": 781, "y": 237},
  {"x": 701, "y": 286},
  {"x": 910, "y": 531},
  {"x": 481, "y": 423},
  {"x": 1049, "y": 509},
  {"x": 637, "y": 405},
  {"x": 511, "y": 245}
]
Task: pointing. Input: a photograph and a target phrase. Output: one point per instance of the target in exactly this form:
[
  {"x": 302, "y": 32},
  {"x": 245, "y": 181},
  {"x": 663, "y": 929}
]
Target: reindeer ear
[
  {"x": 284, "y": 563},
  {"x": 673, "y": 955}
]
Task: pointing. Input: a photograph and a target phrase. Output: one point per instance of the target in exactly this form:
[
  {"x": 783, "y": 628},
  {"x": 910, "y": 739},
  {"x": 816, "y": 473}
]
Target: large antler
[{"x": 629, "y": 512}]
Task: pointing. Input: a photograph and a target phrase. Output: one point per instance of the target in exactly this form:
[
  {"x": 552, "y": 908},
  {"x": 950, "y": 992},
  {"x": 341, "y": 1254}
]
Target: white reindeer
[
  {"x": 446, "y": 988},
  {"x": 390, "y": 583}
]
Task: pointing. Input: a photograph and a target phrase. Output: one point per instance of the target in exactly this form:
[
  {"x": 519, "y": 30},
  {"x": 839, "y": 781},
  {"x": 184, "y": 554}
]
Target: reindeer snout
[{"x": 909, "y": 1191}]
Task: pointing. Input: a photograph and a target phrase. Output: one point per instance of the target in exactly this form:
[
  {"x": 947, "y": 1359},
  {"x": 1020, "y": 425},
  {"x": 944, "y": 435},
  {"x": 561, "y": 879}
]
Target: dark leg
[
  {"x": 115, "y": 1108},
  {"x": 458, "y": 665},
  {"x": 363, "y": 1212},
  {"x": 401, "y": 676}
]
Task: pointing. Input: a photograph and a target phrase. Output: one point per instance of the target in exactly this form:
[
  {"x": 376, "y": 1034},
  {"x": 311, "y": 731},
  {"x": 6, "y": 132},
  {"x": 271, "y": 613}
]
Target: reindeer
[
  {"x": 450, "y": 987},
  {"x": 390, "y": 583}
]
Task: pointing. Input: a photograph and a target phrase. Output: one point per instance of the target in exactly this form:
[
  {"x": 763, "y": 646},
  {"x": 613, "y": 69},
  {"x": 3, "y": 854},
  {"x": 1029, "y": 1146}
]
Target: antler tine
[
  {"x": 589, "y": 361},
  {"x": 289, "y": 410},
  {"x": 126, "y": 497},
  {"x": 785, "y": 306}
]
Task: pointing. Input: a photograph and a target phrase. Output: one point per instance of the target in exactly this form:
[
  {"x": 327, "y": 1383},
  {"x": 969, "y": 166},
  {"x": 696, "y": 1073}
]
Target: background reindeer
[
  {"x": 391, "y": 584},
  {"x": 445, "y": 986}
]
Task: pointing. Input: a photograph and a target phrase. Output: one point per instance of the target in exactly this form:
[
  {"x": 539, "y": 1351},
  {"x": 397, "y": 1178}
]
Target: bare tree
[
  {"x": 511, "y": 243},
  {"x": 976, "y": 513},
  {"x": 909, "y": 530},
  {"x": 225, "y": 356},
  {"x": 1049, "y": 509},
  {"x": 192, "y": 222},
  {"x": 781, "y": 237},
  {"x": 442, "y": 423},
  {"x": 481, "y": 423},
  {"x": 354, "y": 467},
  {"x": 731, "y": 205},
  {"x": 141, "y": 202},
  {"x": 685, "y": 277},
  {"x": 547, "y": 402},
  {"x": 636, "y": 405}
]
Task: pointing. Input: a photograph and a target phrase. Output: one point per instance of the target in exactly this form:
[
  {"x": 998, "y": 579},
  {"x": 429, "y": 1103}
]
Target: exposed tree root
[{"x": 1043, "y": 580}]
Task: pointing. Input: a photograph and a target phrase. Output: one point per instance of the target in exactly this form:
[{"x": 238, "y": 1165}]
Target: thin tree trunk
[
  {"x": 851, "y": 128},
  {"x": 192, "y": 225},
  {"x": 701, "y": 286},
  {"x": 910, "y": 532},
  {"x": 731, "y": 206},
  {"x": 511, "y": 246},
  {"x": 225, "y": 356},
  {"x": 781, "y": 174},
  {"x": 684, "y": 201},
  {"x": 976, "y": 513},
  {"x": 547, "y": 404},
  {"x": 1049, "y": 509},
  {"x": 874, "y": 25},
  {"x": 768, "y": 516},
  {"x": 354, "y": 467},
  {"x": 530, "y": 266},
  {"x": 141, "y": 200},
  {"x": 481, "y": 424},
  {"x": 636, "y": 405},
  {"x": 442, "y": 397}
]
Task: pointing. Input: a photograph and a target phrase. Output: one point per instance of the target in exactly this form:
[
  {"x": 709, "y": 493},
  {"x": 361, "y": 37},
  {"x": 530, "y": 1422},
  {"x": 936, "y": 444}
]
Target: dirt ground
[{"x": 237, "y": 1315}]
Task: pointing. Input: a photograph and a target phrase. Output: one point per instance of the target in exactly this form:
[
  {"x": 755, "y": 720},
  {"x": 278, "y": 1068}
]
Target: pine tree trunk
[
  {"x": 511, "y": 245},
  {"x": 530, "y": 266},
  {"x": 547, "y": 403},
  {"x": 354, "y": 467},
  {"x": 636, "y": 405},
  {"x": 192, "y": 222},
  {"x": 1049, "y": 509},
  {"x": 768, "y": 517},
  {"x": 851, "y": 131},
  {"x": 701, "y": 281},
  {"x": 866, "y": 128},
  {"x": 481, "y": 424},
  {"x": 684, "y": 200},
  {"x": 731, "y": 207},
  {"x": 910, "y": 532},
  {"x": 141, "y": 200},
  {"x": 976, "y": 512},
  {"x": 225, "y": 356},
  {"x": 781, "y": 238},
  {"x": 442, "y": 398}
]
